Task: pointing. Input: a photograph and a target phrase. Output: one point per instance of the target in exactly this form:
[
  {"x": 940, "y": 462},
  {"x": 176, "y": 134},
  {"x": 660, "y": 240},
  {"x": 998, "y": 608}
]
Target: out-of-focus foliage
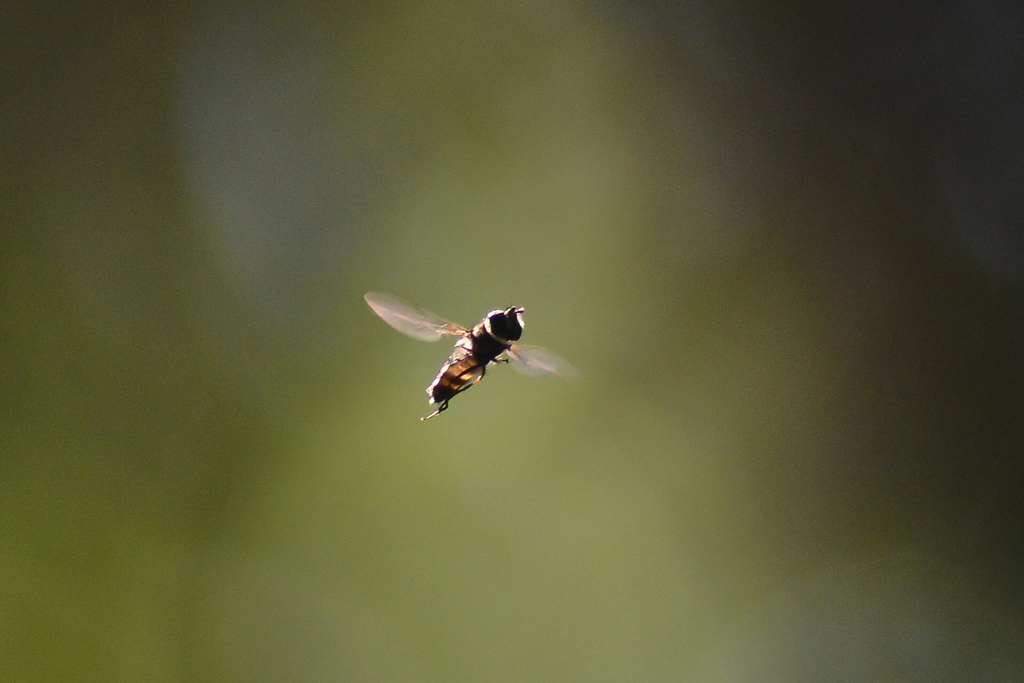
[{"x": 783, "y": 248}]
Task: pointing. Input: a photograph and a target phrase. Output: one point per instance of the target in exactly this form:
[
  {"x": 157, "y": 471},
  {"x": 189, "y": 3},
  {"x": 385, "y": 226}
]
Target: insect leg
[{"x": 444, "y": 407}]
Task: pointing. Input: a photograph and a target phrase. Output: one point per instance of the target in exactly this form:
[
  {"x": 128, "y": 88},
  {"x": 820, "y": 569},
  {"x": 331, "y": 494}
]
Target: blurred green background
[{"x": 783, "y": 246}]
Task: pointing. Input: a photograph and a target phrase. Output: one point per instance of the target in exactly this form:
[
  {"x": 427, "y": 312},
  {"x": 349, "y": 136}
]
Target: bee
[{"x": 489, "y": 342}]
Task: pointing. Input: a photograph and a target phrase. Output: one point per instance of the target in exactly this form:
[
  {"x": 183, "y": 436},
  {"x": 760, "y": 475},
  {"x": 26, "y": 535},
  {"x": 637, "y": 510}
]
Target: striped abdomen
[{"x": 458, "y": 372}]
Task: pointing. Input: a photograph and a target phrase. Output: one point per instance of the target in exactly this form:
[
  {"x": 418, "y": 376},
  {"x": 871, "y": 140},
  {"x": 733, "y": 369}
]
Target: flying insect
[{"x": 491, "y": 341}]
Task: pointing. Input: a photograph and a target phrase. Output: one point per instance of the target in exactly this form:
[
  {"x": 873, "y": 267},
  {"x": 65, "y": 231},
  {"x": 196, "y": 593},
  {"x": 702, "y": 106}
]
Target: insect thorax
[{"x": 485, "y": 346}]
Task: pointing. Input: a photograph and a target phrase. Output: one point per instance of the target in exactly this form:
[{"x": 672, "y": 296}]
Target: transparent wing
[
  {"x": 410, "y": 319},
  {"x": 534, "y": 360}
]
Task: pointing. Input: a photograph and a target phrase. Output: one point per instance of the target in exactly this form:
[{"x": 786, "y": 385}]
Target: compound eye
[{"x": 505, "y": 325}]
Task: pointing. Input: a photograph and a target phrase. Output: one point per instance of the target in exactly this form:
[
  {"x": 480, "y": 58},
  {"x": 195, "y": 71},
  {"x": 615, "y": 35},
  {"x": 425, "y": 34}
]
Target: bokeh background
[{"x": 782, "y": 243}]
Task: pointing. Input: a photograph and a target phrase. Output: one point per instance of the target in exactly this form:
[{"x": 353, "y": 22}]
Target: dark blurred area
[{"x": 783, "y": 243}]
